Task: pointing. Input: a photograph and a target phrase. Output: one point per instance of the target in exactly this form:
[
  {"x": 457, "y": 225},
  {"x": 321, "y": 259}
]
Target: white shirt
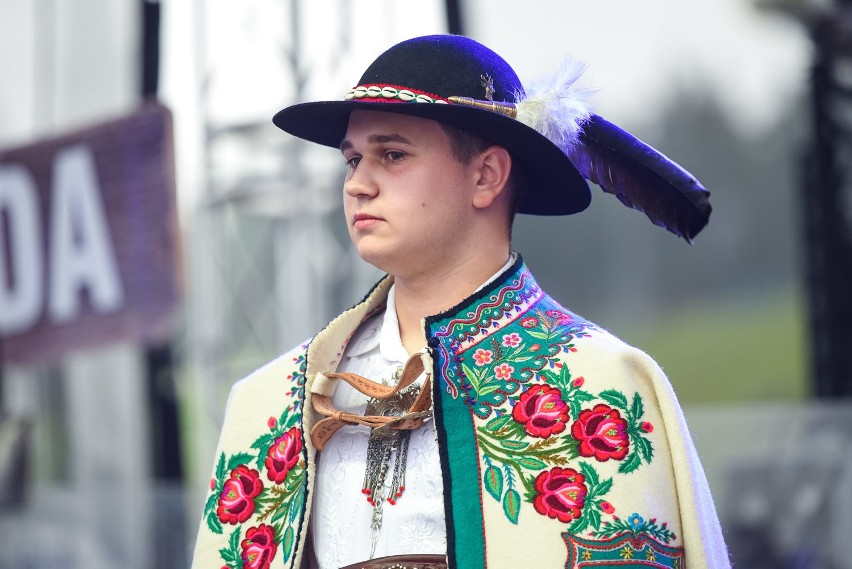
[{"x": 341, "y": 513}]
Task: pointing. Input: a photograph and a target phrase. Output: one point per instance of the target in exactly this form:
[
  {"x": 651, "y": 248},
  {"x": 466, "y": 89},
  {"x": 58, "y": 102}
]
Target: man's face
[{"x": 406, "y": 198}]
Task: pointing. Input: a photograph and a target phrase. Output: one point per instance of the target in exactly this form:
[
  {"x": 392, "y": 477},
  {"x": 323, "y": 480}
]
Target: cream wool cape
[{"x": 560, "y": 445}]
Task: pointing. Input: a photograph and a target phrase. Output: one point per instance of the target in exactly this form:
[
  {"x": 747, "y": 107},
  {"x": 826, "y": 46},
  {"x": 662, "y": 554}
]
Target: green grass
[{"x": 752, "y": 349}]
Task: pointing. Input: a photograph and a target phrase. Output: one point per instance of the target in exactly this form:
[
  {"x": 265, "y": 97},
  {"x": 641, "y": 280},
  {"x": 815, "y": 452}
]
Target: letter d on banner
[{"x": 21, "y": 283}]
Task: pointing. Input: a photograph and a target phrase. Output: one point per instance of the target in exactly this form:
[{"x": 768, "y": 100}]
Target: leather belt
[
  {"x": 418, "y": 561},
  {"x": 412, "y": 419}
]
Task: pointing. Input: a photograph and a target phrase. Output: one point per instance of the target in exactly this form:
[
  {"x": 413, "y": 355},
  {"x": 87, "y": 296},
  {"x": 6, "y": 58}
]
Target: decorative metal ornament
[{"x": 386, "y": 445}]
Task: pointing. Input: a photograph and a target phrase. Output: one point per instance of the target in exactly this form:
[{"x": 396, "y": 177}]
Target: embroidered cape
[{"x": 560, "y": 445}]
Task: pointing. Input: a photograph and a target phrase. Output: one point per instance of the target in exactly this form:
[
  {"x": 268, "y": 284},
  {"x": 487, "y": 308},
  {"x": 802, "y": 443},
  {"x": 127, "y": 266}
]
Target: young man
[{"x": 459, "y": 416}]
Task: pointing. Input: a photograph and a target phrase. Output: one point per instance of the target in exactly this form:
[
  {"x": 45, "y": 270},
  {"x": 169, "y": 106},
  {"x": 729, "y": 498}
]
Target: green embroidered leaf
[
  {"x": 631, "y": 464},
  {"x": 280, "y": 511},
  {"x": 637, "y": 409},
  {"x": 594, "y": 518},
  {"x": 580, "y": 523},
  {"x": 538, "y": 335},
  {"x": 289, "y": 420},
  {"x": 644, "y": 447},
  {"x": 238, "y": 459},
  {"x": 603, "y": 487},
  {"x": 473, "y": 377},
  {"x": 211, "y": 501},
  {"x": 574, "y": 408},
  {"x": 592, "y": 478},
  {"x": 513, "y": 445},
  {"x": 498, "y": 423},
  {"x": 264, "y": 441},
  {"x": 493, "y": 480},
  {"x": 213, "y": 522},
  {"x": 220, "y": 468},
  {"x": 512, "y": 505},
  {"x": 287, "y": 543},
  {"x": 489, "y": 387},
  {"x": 615, "y": 398},
  {"x": 296, "y": 502},
  {"x": 227, "y": 556},
  {"x": 231, "y": 554},
  {"x": 234, "y": 541},
  {"x": 583, "y": 396},
  {"x": 530, "y": 463}
]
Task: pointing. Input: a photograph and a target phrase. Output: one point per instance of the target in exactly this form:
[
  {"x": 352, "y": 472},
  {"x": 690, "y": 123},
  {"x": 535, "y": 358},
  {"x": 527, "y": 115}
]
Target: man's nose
[{"x": 361, "y": 183}]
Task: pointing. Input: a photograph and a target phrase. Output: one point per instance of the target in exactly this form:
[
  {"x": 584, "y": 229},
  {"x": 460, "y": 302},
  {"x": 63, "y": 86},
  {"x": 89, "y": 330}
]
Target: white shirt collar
[{"x": 383, "y": 329}]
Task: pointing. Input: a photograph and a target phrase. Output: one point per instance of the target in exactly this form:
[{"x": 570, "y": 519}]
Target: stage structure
[
  {"x": 826, "y": 199},
  {"x": 268, "y": 258}
]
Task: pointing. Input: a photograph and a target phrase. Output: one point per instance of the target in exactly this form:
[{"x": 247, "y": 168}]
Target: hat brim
[{"x": 555, "y": 186}]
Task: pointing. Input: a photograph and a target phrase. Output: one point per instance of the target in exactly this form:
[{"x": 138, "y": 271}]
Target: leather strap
[
  {"x": 412, "y": 419},
  {"x": 412, "y": 561}
]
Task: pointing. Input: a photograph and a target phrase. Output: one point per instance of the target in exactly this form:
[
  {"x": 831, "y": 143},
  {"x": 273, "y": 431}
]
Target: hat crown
[{"x": 445, "y": 65}]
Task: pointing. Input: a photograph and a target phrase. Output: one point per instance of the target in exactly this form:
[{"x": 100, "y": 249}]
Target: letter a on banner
[
  {"x": 81, "y": 252},
  {"x": 20, "y": 291}
]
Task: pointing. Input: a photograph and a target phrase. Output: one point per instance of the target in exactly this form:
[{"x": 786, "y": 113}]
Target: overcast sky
[{"x": 636, "y": 51}]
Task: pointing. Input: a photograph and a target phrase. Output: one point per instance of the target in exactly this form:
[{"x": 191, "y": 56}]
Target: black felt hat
[
  {"x": 549, "y": 130},
  {"x": 417, "y": 77}
]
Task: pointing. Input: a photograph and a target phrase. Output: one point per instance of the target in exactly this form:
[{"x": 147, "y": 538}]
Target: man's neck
[{"x": 434, "y": 292}]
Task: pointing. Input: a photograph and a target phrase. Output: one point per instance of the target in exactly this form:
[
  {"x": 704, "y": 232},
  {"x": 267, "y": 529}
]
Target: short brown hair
[{"x": 465, "y": 146}]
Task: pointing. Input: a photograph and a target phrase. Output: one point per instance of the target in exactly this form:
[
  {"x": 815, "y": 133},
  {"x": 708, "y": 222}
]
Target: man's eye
[
  {"x": 394, "y": 155},
  {"x": 353, "y": 162}
]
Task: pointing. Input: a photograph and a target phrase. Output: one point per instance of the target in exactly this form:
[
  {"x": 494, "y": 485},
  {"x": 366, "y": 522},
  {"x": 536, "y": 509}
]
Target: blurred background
[{"x": 160, "y": 238}]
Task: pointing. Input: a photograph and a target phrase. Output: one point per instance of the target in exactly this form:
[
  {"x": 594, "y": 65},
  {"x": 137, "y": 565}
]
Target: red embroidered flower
[
  {"x": 561, "y": 494},
  {"x": 529, "y": 322},
  {"x": 283, "y": 455},
  {"x": 511, "y": 340},
  {"x": 541, "y": 411},
  {"x": 578, "y": 382},
  {"x": 271, "y": 422},
  {"x": 236, "y": 502},
  {"x": 647, "y": 427},
  {"x": 607, "y": 508},
  {"x": 503, "y": 371},
  {"x": 535, "y": 347},
  {"x": 482, "y": 357},
  {"x": 212, "y": 483},
  {"x": 602, "y": 433},
  {"x": 259, "y": 547}
]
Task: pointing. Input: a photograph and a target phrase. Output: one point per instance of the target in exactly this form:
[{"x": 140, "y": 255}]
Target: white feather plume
[{"x": 555, "y": 107}]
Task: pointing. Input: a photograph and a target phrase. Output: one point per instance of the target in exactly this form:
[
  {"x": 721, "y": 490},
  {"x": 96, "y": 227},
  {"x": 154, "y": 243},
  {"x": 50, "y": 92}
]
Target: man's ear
[{"x": 495, "y": 164}]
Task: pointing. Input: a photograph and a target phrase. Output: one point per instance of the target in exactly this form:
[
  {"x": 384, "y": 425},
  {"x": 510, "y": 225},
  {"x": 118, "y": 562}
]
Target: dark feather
[{"x": 642, "y": 178}]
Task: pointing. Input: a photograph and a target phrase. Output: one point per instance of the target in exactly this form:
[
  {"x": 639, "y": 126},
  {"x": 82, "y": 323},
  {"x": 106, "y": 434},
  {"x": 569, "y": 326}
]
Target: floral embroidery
[
  {"x": 602, "y": 433},
  {"x": 259, "y": 547},
  {"x": 239, "y": 495},
  {"x": 623, "y": 549},
  {"x": 236, "y": 502},
  {"x": 642, "y": 450},
  {"x": 512, "y": 340},
  {"x": 561, "y": 494},
  {"x": 482, "y": 357},
  {"x": 541, "y": 411},
  {"x": 636, "y": 526},
  {"x": 283, "y": 455},
  {"x": 503, "y": 371}
]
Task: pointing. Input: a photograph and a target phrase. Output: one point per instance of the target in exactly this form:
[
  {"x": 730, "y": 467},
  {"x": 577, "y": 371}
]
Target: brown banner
[{"x": 88, "y": 239}]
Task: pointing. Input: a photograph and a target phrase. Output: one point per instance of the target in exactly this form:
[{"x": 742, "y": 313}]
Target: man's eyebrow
[{"x": 378, "y": 139}]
